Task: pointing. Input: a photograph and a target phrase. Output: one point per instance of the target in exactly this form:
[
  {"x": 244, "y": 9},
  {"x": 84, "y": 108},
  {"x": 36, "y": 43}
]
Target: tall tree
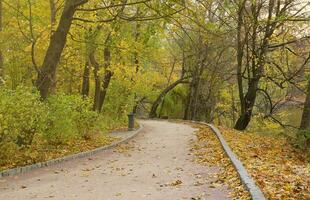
[
  {"x": 47, "y": 73},
  {"x": 258, "y": 21}
]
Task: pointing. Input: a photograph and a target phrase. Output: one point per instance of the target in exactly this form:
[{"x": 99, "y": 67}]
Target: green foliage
[
  {"x": 69, "y": 117},
  {"x": 22, "y": 116},
  {"x": 303, "y": 139}
]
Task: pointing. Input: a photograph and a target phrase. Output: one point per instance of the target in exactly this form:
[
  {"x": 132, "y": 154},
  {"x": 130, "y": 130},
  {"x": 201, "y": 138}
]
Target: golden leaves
[
  {"x": 278, "y": 168},
  {"x": 208, "y": 151}
]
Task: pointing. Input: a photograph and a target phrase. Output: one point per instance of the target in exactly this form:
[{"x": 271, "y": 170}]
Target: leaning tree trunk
[
  {"x": 249, "y": 101},
  {"x": 159, "y": 99},
  {"x": 47, "y": 73}
]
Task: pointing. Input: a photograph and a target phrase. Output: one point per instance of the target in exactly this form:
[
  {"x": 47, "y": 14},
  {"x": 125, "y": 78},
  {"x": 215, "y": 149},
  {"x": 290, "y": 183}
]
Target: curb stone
[
  {"x": 246, "y": 179},
  {"x": 29, "y": 168}
]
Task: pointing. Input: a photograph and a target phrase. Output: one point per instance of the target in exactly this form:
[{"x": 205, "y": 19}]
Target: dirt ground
[{"x": 156, "y": 165}]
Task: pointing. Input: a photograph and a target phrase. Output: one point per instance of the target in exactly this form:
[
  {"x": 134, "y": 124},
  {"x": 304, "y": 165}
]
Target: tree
[
  {"x": 257, "y": 23},
  {"x": 47, "y": 73}
]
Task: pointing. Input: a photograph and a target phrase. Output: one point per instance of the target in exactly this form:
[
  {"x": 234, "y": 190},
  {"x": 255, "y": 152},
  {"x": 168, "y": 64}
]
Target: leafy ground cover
[
  {"x": 41, "y": 151},
  {"x": 279, "y": 169},
  {"x": 208, "y": 151}
]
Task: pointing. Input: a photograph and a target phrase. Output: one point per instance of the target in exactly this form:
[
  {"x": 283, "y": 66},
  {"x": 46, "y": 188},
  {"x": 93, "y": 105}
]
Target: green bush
[
  {"x": 22, "y": 115},
  {"x": 303, "y": 139},
  {"x": 69, "y": 117}
]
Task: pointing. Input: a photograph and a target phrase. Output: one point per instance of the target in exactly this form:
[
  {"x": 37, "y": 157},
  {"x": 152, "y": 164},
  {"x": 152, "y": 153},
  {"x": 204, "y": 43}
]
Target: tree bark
[
  {"x": 187, "y": 113},
  {"x": 240, "y": 56},
  {"x": 53, "y": 10},
  {"x": 85, "y": 84},
  {"x": 101, "y": 84},
  {"x": 305, "y": 120},
  {"x": 96, "y": 66},
  {"x": 107, "y": 77},
  {"x": 249, "y": 101},
  {"x": 47, "y": 74},
  {"x": 159, "y": 99}
]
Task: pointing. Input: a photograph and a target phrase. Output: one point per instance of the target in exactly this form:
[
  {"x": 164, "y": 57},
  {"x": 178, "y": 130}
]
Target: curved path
[{"x": 156, "y": 165}]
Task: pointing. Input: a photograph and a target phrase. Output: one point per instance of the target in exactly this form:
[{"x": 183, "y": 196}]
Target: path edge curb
[
  {"x": 246, "y": 179},
  {"x": 29, "y": 168}
]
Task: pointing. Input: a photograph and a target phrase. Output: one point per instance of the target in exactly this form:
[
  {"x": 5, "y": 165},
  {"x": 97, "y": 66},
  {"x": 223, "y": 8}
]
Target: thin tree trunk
[
  {"x": 233, "y": 106},
  {"x": 101, "y": 84},
  {"x": 187, "y": 113},
  {"x": 305, "y": 120},
  {"x": 107, "y": 77},
  {"x": 96, "y": 66},
  {"x": 85, "y": 84},
  {"x": 47, "y": 74},
  {"x": 240, "y": 56},
  {"x": 159, "y": 99},
  {"x": 137, "y": 63}
]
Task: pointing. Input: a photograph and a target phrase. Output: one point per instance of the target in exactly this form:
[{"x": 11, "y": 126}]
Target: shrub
[
  {"x": 69, "y": 117},
  {"x": 303, "y": 139},
  {"x": 22, "y": 115}
]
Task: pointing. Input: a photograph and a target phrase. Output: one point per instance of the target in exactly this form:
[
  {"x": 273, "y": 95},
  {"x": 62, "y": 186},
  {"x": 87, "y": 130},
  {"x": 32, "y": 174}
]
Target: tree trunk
[
  {"x": 249, "y": 101},
  {"x": 85, "y": 84},
  {"x": 305, "y": 120},
  {"x": 159, "y": 99},
  {"x": 101, "y": 84},
  {"x": 47, "y": 74},
  {"x": 240, "y": 45},
  {"x": 53, "y": 10},
  {"x": 96, "y": 66},
  {"x": 105, "y": 85},
  {"x": 187, "y": 113}
]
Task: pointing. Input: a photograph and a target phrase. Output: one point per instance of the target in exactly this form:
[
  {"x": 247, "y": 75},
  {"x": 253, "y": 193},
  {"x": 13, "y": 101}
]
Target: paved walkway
[{"x": 156, "y": 165}]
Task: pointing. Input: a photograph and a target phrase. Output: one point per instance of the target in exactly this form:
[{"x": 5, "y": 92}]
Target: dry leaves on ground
[
  {"x": 279, "y": 169},
  {"x": 208, "y": 150},
  {"x": 42, "y": 151}
]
